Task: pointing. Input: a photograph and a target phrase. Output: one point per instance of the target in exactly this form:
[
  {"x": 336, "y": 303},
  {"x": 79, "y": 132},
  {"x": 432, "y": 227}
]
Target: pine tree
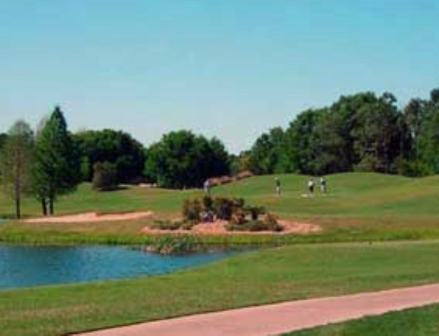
[{"x": 57, "y": 163}]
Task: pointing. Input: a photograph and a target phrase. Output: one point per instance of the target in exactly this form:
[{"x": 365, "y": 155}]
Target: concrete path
[{"x": 285, "y": 317}]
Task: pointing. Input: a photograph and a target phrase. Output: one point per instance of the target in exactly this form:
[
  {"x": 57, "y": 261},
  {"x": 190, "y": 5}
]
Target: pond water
[{"x": 30, "y": 266}]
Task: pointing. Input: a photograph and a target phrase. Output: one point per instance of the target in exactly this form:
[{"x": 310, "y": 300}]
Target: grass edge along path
[
  {"x": 278, "y": 318},
  {"x": 422, "y": 321},
  {"x": 254, "y": 278}
]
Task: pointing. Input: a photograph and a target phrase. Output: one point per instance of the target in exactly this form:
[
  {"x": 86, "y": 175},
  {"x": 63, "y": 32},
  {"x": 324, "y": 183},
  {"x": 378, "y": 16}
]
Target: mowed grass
[
  {"x": 254, "y": 278},
  {"x": 358, "y": 207},
  {"x": 414, "y": 322}
]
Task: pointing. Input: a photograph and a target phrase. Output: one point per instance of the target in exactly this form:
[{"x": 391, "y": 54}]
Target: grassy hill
[
  {"x": 359, "y": 206},
  {"x": 351, "y": 194}
]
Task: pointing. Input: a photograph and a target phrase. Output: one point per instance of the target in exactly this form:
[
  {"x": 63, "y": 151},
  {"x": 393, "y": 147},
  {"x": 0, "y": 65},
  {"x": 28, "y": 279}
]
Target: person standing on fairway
[
  {"x": 323, "y": 185},
  {"x": 207, "y": 187},
  {"x": 311, "y": 186},
  {"x": 278, "y": 186}
]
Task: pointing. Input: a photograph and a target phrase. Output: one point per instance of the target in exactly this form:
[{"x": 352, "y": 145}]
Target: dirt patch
[
  {"x": 219, "y": 228},
  {"x": 92, "y": 217}
]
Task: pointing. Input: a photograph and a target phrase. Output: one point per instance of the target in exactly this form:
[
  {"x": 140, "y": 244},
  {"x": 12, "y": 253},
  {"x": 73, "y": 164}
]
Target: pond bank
[{"x": 30, "y": 266}]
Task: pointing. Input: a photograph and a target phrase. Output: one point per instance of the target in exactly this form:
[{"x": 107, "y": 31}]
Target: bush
[
  {"x": 239, "y": 203},
  {"x": 172, "y": 226},
  {"x": 255, "y": 212},
  {"x": 269, "y": 223},
  {"x": 192, "y": 210},
  {"x": 175, "y": 245},
  {"x": 207, "y": 209},
  {"x": 207, "y": 203},
  {"x": 239, "y": 217},
  {"x": 105, "y": 176},
  {"x": 224, "y": 208}
]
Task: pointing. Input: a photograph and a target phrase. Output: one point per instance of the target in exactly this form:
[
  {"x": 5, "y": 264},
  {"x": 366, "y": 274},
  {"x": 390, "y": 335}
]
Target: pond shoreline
[{"x": 27, "y": 266}]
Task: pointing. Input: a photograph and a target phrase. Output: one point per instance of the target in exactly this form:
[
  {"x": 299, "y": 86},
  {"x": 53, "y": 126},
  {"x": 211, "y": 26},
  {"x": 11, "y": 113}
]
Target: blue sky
[{"x": 225, "y": 68}]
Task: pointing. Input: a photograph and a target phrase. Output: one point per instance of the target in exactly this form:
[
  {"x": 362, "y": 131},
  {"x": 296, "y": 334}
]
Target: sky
[{"x": 225, "y": 68}]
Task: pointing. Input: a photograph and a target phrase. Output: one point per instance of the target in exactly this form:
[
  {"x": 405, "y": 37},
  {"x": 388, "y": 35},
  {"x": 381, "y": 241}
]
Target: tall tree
[
  {"x": 269, "y": 154},
  {"x": 57, "y": 162},
  {"x": 111, "y": 146},
  {"x": 3, "y": 137},
  {"x": 184, "y": 160},
  {"x": 16, "y": 163},
  {"x": 428, "y": 136},
  {"x": 300, "y": 135}
]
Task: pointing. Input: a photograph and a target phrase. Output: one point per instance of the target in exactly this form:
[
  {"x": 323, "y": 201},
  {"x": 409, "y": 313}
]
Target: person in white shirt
[{"x": 278, "y": 186}]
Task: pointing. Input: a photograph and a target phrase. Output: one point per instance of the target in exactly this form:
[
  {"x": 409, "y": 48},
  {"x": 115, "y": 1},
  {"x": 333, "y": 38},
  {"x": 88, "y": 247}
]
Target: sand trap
[
  {"x": 92, "y": 217},
  {"x": 219, "y": 228}
]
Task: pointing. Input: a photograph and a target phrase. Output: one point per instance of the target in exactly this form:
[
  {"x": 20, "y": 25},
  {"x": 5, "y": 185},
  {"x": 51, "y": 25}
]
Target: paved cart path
[{"x": 285, "y": 317}]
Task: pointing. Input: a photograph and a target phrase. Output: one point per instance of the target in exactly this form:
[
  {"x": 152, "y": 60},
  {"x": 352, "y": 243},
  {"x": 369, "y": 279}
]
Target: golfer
[
  {"x": 323, "y": 185},
  {"x": 278, "y": 186},
  {"x": 311, "y": 186}
]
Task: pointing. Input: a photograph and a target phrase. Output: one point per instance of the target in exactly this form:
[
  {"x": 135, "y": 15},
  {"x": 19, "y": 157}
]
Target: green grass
[
  {"x": 359, "y": 207},
  {"x": 260, "y": 277},
  {"x": 413, "y": 322}
]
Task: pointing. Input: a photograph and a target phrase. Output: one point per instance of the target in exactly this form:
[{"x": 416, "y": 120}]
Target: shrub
[
  {"x": 207, "y": 203},
  {"x": 224, "y": 208},
  {"x": 171, "y": 226},
  {"x": 192, "y": 210},
  {"x": 175, "y": 245},
  {"x": 271, "y": 222},
  {"x": 105, "y": 176},
  {"x": 255, "y": 212},
  {"x": 239, "y": 203},
  {"x": 239, "y": 217}
]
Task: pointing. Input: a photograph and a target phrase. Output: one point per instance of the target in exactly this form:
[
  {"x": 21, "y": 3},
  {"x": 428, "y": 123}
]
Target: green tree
[
  {"x": 330, "y": 153},
  {"x": 105, "y": 176},
  {"x": 3, "y": 137},
  {"x": 270, "y": 152},
  {"x": 427, "y": 141},
  {"x": 301, "y": 146},
  {"x": 240, "y": 163},
  {"x": 184, "y": 160},
  {"x": 57, "y": 162},
  {"x": 116, "y": 147},
  {"x": 16, "y": 163},
  {"x": 377, "y": 135}
]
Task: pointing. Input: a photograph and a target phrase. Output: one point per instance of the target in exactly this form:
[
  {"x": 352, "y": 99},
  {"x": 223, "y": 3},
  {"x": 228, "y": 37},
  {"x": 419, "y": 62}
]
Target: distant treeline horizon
[{"x": 359, "y": 132}]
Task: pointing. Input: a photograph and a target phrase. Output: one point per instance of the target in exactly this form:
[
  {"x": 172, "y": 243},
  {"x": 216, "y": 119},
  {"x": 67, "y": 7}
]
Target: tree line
[
  {"x": 361, "y": 132},
  {"x": 51, "y": 161}
]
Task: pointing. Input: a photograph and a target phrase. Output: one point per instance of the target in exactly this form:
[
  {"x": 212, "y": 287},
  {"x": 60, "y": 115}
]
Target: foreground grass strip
[
  {"x": 256, "y": 278},
  {"x": 414, "y": 322},
  {"x": 283, "y": 317}
]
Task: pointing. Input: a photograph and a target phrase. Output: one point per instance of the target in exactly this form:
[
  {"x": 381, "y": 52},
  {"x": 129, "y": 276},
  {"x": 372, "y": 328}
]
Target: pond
[{"x": 30, "y": 266}]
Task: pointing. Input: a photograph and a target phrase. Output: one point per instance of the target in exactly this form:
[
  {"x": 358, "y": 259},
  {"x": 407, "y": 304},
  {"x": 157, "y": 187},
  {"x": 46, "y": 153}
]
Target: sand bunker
[
  {"x": 92, "y": 217},
  {"x": 219, "y": 228}
]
